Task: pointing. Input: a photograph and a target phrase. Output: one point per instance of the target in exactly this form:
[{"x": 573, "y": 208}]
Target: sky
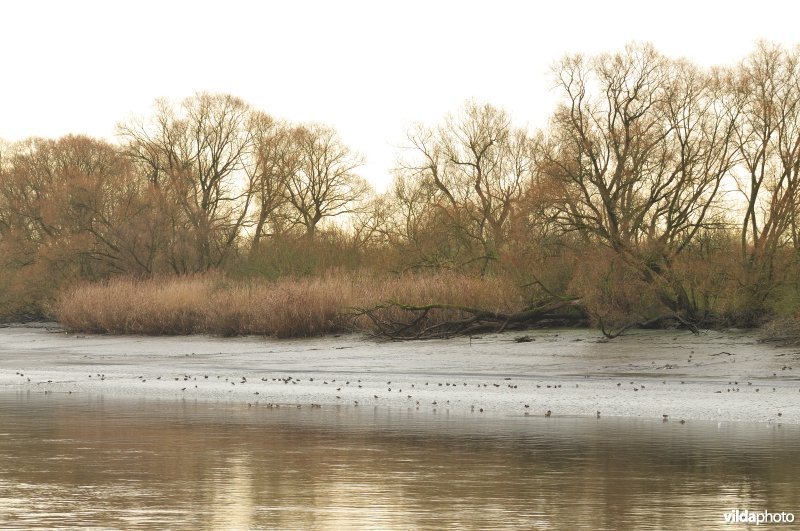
[{"x": 371, "y": 69}]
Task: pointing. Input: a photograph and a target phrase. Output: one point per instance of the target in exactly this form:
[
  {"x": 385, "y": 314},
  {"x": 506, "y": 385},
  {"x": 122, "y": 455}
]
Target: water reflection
[{"x": 66, "y": 461}]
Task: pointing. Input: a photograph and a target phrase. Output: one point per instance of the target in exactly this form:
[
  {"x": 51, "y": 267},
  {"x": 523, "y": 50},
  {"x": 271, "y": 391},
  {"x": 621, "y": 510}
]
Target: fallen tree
[{"x": 397, "y": 321}]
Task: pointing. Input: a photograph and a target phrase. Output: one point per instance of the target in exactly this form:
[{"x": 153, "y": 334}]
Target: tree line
[{"x": 658, "y": 191}]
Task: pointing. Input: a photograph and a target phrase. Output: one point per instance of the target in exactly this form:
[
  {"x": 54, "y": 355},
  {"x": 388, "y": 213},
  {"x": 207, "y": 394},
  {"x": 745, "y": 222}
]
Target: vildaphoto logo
[{"x": 762, "y": 517}]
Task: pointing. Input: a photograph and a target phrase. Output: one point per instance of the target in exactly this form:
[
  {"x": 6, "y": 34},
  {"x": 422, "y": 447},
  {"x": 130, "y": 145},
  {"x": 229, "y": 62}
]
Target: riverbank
[{"x": 724, "y": 376}]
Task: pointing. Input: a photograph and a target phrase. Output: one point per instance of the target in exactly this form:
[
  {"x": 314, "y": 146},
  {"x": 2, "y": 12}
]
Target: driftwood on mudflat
[
  {"x": 394, "y": 320},
  {"x": 657, "y": 322}
]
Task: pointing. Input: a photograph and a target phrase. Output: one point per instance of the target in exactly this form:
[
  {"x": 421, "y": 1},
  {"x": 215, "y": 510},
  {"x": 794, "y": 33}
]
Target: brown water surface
[{"x": 67, "y": 461}]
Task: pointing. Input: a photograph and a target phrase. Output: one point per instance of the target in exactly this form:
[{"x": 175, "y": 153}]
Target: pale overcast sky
[{"x": 369, "y": 68}]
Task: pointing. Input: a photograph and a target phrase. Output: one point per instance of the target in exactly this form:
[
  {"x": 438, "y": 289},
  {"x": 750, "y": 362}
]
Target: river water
[{"x": 89, "y": 462}]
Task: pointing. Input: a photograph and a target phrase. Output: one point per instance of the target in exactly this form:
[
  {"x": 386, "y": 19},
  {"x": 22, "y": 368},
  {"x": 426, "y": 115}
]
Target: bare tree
[
  {"x": 370, "y": 226},
  {"x": 197, "y": 155},
  {"x": 767, "y": 86},
  {"x": 76, "y": 200},
  {"x": 275, "y": 160},
  {"x": 413, "y": 228},
  {"x": 478, "y": 165},
  {"x": 323, "y": 183},
  {"x": 637, "y": 154}
]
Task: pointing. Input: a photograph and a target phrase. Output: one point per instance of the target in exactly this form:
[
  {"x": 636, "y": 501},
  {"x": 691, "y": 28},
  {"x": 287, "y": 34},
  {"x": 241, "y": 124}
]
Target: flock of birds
[{"x": 339, "y": 388}]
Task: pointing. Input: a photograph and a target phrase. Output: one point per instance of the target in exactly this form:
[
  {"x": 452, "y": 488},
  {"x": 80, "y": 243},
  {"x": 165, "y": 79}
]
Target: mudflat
[{"x": 725, "y": 376}]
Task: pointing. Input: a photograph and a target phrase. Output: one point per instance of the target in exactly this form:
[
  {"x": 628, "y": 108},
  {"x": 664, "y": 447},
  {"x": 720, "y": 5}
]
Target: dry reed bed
[
  {"x": 291, "y": 307},
  {"x": 782, "y": 331}
]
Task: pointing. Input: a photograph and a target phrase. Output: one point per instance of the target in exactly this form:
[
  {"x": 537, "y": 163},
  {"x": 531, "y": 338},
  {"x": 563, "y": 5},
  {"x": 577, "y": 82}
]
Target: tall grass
[
  {"x": 289, "y": 307},
  {"x": 784, "y": 331}
]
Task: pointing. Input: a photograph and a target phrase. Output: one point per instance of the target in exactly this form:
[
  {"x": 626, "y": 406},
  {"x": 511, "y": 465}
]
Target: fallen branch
[
  {"x": 644, "y": 324},
  {"x": 447, "y": 320}
]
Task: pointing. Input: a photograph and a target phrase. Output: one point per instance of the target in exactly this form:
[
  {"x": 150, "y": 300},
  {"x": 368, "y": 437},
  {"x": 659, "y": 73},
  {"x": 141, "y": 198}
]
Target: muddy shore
[{"x": 724, "y": 376}]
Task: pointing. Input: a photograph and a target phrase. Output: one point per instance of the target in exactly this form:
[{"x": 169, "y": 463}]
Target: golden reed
[{"x": 290, "y": 307}]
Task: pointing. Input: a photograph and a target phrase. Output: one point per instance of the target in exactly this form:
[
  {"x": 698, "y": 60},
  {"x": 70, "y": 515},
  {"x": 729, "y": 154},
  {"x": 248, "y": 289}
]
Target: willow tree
[
  {"x": 473, "y": 168},
  {"x": 69, "y": 208},
  {"x": 275, "y": 160},
  {"x": 76, "y": 200},
  {"x": 767, "y": 84},
  {"x": 635, "y": 159},
  {"x": 196, "y": 154},
  {"x": 416, "y": 228},
  {"x": 321, "y": 178}
]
